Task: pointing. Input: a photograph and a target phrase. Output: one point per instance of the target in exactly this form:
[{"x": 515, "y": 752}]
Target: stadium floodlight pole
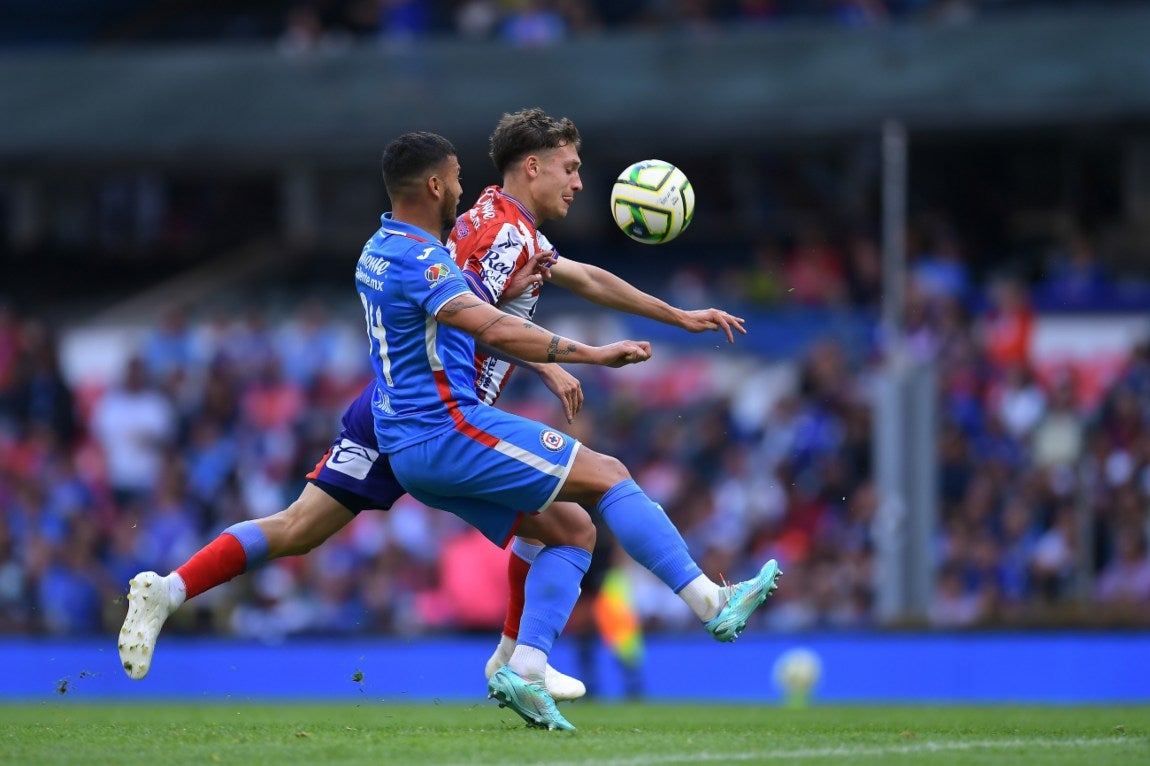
[
  {"x": 890, "y": 437},
  {"x": 894, "y": 180},
  {"x": 906, "y": 417}
]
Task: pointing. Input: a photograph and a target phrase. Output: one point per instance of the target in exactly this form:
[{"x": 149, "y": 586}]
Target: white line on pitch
[{"x": 843, "y": 751}]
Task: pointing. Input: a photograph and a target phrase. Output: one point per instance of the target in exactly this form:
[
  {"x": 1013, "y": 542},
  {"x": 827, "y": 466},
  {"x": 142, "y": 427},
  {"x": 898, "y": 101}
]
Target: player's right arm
[
  {"x": 606, "y": 289},
  {"x": 524, "y": 339}
]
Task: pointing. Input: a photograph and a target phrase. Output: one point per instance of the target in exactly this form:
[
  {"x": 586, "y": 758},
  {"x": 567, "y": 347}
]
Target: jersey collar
[
  {"x": 522, "y": 208},
  {"x": 392, "y": 226}
]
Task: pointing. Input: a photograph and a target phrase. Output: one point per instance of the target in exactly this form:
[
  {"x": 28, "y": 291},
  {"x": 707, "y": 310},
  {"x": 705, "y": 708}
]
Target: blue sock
[
  {"x": 550, "y": 593},
  {"x": 253, "y": 540},
  {"x": 643, "y": 529}
]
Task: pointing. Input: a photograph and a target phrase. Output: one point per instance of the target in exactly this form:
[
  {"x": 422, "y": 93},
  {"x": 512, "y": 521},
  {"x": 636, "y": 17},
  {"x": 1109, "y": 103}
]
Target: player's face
[
  {"x": 453, "y": 190},
  {"x": 558, "y": 181}
]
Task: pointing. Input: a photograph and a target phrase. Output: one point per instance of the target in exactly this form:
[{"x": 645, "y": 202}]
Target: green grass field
[{"x": 622, "y": 734}]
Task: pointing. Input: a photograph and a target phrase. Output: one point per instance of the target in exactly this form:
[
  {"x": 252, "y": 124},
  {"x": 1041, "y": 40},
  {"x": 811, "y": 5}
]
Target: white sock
[
  {"x": 528, "y": 662},
  {"x": 177, "y": 590},
  {"x": 506, "y": 647},
  {"x": 525, "y": 550},
  {"x": 704, "y": 597}
]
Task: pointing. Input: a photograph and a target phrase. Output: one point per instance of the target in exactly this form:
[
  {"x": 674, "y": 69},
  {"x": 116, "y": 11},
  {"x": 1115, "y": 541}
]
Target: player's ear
[
  {"x": 435, "y": 186},
  {"x": 531, "y": 165}
]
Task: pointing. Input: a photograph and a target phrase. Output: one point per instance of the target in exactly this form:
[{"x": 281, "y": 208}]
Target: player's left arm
[
  {"x": 606, "y": 289},
  {"x": 563, "y": 384}
]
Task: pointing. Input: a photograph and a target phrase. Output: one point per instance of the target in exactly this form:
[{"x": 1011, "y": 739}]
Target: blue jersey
[{"x": 424, "y": 370}]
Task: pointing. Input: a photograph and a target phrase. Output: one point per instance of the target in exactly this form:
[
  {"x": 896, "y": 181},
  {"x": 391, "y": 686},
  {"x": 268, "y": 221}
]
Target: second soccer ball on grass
[{"x": 652, "y": 202}]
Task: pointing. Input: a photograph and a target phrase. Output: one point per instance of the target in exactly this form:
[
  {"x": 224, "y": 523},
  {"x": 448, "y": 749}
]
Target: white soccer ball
[
  {"x": 652, "y": 202},
  {"x": 797, "y": 671}
]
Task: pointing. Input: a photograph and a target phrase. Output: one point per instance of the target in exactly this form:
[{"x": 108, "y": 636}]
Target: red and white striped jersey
[{"x": 490, "y": 242}]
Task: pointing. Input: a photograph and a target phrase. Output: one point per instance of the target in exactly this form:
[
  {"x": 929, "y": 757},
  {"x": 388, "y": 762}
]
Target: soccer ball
[
  {"x": 796, "y": 673},
  {"x": 652, "y": 202}
]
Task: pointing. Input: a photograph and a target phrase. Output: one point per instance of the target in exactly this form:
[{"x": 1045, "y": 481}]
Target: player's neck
[
  {"x": 414, "y": 215},
  {"x": 522, "y": 195}
]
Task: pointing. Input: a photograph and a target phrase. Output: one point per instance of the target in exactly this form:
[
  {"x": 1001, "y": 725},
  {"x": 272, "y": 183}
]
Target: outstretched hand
[
  {"x": 701, "y": 320},
  {"x": 625, "y": 352},
  {"x": 529, "y": 276}
]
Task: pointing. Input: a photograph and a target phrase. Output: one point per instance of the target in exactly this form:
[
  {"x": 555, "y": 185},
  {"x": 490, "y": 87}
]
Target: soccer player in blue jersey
[{"x": 500, "y": 472}]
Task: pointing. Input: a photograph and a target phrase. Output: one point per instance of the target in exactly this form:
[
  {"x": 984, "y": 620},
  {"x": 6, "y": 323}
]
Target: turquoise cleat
[
  {"x": 529, "y": 699},
  {"x": 743, "y": 599}
]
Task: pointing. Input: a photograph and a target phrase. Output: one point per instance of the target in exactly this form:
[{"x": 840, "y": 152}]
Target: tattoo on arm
[
  {"x": 553, "y": 349},
  {"x": 461, "y": 303},
  {"x": 464, "y": 302},
  {"x": 483, "y": 330}
]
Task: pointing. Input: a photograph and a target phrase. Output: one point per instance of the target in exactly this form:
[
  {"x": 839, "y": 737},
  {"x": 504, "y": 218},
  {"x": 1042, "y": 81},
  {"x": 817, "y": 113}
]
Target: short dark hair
[
  {"x": 409, "y": 157},
  {"x": 529, "y": 130}
]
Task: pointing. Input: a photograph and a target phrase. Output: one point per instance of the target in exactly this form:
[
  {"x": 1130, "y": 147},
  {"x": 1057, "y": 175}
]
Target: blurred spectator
[
  {"x": 1009, "y": 324},
  {"x": 815, "y": 274},
  {"x": 39, "y": 397},
  {"x": 1019, "y": 400},
  {"x": 1054, "y": 557},
  {"x": 305, "y": 32},
  {"x": 758, "y": 12},
  {"x": 939, "y": 269},
  {"x": 472, "y": 590},
  {"x": 278, "y": 609},
  {"x": 70, "y": 583},
  {"x": 134, "y": 424},
  {"x": 1058, "y": 437},
  {"x": 762, "y": 284},
  {"x": 533, "y": 23},
  {"x": 1074, "y": 278},
  {"x": 9, "y": 354},
  {"x": 168, "y": 347},
  {"x": 1125, "y": 582},
  {"x": 16, "y": 598},
  {"x": 477, "y": 19},
  {"x": 306, "y": 344},
  {"x": 404, "y": 20},
  {"x": 857, "y": 13},
  {"x": 953, "y": 605},
  {"x": 864, "y": 269},
  {"x": 249, "y": 344},
  {"x": 169, "y": 522}
]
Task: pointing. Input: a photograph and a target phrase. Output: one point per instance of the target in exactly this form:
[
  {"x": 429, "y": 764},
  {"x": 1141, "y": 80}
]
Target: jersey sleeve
[
  {"x": 435, "y": 280},
  {"x": 545, "y": 244}
]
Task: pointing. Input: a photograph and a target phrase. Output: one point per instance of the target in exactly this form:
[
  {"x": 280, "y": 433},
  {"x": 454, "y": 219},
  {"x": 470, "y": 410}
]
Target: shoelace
[{"x": 727, "y": 589}]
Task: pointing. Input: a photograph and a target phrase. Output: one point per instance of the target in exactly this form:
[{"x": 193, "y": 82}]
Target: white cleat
[
  {"x": 562, "y": 687},
  {"x": 148, "y": 608}
]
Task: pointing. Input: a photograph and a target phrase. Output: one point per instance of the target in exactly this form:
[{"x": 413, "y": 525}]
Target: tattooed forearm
[
  {"x": 483, "y": 330},
  {"x": 553, "y": 349}
]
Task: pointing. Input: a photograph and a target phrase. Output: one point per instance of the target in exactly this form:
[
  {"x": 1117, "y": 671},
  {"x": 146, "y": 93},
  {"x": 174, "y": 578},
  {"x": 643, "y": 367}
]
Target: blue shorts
[
  {"x": 352, "y": 470},
  {"x": 490, "y": 470}
]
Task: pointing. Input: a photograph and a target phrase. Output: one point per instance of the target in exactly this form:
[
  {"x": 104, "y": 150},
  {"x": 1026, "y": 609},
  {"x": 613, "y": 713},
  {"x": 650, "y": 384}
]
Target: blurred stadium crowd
[
  {"x": 217, "y": 416},
  {"x": 310, "y": 25},
  {"x": 218, "y": 412}
]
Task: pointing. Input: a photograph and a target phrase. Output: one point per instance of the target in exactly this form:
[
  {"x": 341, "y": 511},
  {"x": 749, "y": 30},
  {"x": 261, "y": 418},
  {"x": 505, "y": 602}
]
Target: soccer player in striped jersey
[{"x": 498, "y": 245}]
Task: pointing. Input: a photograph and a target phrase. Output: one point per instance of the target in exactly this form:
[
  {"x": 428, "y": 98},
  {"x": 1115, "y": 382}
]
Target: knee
[
  {"x": 585, "y": 535},
  {"x": 612, "y": 470}
]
